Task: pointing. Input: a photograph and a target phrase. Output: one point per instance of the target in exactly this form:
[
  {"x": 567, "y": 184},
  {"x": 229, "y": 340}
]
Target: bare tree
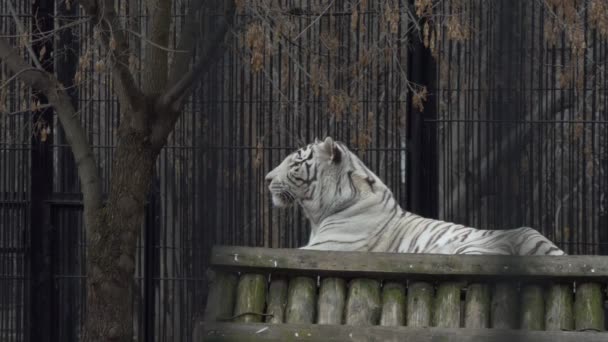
[{"x": 148, "y": 113}]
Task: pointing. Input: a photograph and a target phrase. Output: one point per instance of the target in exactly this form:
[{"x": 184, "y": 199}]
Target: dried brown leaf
[
  {"x": 354, "y": 20},
  {"x": 42, "y": 53},
  {"x": 3, "y": 97},
  {"x": 100, "y": 66},
  {"x": 337, "y": 104},
  {"x": 318, "y": 78},
  {"x": 598, "y": 16},
  {"x": 240, "y": 6},
  {"x": 423, "y": 7},
  {"x": 579, "y": 128},
  {"x": 551, "y": 31},
  {"x": 43, "y": 135},
  {"x": 330, "y": 41},
  {"x": 564, "y": 77},
  {"x": 364, "y": 57},
  {"x": 113, "y": 44},
  {"x": 255, "y": 40},
  {"x": 456, "y": 30},
  {"x": 419, "y": 98},
  {"x": 392, "y": 16},
  {"x": 258, "y": 155}
]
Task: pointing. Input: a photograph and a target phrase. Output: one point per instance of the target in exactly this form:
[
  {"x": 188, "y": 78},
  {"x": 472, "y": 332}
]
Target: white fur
[{"x": 350, "y": 208}]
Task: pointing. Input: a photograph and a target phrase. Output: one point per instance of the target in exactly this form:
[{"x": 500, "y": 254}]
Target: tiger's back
[{"x": 439, "y": 237}]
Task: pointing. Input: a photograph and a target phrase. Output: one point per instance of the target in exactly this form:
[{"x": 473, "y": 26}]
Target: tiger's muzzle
[{"x": 281, "y": 194}]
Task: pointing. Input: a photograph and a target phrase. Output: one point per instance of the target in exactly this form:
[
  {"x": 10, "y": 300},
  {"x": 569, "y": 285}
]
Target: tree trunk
[{"x": 112, "y": 240}]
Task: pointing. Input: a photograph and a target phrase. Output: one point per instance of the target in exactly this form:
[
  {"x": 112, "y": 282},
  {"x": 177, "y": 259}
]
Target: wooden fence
[{"x": 260, "y": 294}]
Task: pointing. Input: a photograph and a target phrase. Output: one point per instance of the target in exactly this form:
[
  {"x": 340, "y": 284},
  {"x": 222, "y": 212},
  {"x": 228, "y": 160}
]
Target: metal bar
[
  {"x": 150, "y": 264},
  {"x": 42, "y": 327},
  {"x": 422, "y": 166}
]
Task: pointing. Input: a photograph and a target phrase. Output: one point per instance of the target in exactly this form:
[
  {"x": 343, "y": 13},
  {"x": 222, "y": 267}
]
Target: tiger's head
[{"x": 302, "y": 175}]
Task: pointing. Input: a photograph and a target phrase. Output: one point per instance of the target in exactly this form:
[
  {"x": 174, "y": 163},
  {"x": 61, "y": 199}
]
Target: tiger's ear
[
  {"x": 317, "y": 141},
  {"x": 332, "y": 149}
]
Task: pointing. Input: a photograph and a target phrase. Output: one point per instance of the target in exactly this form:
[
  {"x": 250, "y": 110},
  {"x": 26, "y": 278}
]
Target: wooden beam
[
  {"x": 250, "y": 298},
  {"x": 363, "y": 302},
  {"x": 504, "y": 311},
  {"x": 301, "y": 300},
  {"x": 446, "y": 311},
  {"x": 588, "y": 307},
  {"x": 393, "y": 304},
  {"x": 419, "y": 266},
  {"x": 252, "y": 332},
  {"x": 220, "y": 301},
  {"x": 277, "y": 300},
  {"x": 477, "y": 306},
  {"x": 419, "y": 304},
  {"x": 332, "y": 297}
]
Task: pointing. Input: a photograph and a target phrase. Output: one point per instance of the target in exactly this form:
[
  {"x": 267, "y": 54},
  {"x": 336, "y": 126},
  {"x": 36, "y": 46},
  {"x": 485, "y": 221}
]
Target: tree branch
[
  {"x": 181, "y": 79},
  {"x": 155, "y": 66},
  {"x": 61, "y": 101},
  {"x": 171, "y": 102},
  {"x": 210, "y": 52},
  {"x": 22, "y": 32},
  {"x": 149, "y": 41},
  {"x": 115, "y": 41},
  {"x": 188, "y": 38}
]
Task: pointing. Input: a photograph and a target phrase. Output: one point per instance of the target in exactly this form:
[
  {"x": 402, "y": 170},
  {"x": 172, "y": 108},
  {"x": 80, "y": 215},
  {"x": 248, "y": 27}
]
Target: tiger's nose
[{"x": 269, "y": 177}]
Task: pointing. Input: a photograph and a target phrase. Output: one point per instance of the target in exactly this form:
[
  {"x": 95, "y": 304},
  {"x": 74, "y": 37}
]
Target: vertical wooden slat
[
  {"x": 332, "y": 294},
  {"x": 477, "y": 306},
  {"x": 277, "y": 300},
  {"x": 220, "y": 300},
  {"x": 505, "y": 306},
  {"x": 363, "y": 302},
  {"x": 532, "y": 307},
  {"x": 446, "y": 313},
  {"x": 589, "y": 307},
  {"x": 559, "y": 308},
  {"x": 393, "y": 304},
  {"x": 250, "y": 298},
  {"x": 301, "y": 300},
  {"x": 419, "y": 304}
]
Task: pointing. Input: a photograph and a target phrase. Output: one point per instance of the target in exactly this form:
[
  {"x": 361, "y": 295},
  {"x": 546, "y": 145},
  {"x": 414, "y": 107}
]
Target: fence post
[
  {"x": 421, "y": 140},
  {"x": 151, "y": 265},
  {"x": 66, "y": 63},
  {"x": 42, "y": 286}
]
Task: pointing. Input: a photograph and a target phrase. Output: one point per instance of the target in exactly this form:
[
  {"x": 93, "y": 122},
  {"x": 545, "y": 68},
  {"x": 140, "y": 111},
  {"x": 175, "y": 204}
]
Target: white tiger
[{"x": 350, "y": 209}]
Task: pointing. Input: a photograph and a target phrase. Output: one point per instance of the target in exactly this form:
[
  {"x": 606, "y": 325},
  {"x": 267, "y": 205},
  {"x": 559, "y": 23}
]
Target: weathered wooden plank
[
  {"x": 419, "y": 304},
  {"x": 393, "y": 304},
  {"x": 589, "y": 307},
  {"x": 446, "y": 313},
  {"x": 250, "y": 298},
  {"x": 558, "y": 312},
  {"x": 363, "y": 302},
  {"x": 397, "y": 265},
  {"x": 505, "y": 306},
  {"x": 330, "y": 305},
  {"x": 477, "y": 306},
  {"x": 277, "y": 300},
  {"x": 257, "y": 332},
  {"x": 220, "y": 301},
  {"x": 532, "y": 307},
  {"x": 301, "y": 300}
]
